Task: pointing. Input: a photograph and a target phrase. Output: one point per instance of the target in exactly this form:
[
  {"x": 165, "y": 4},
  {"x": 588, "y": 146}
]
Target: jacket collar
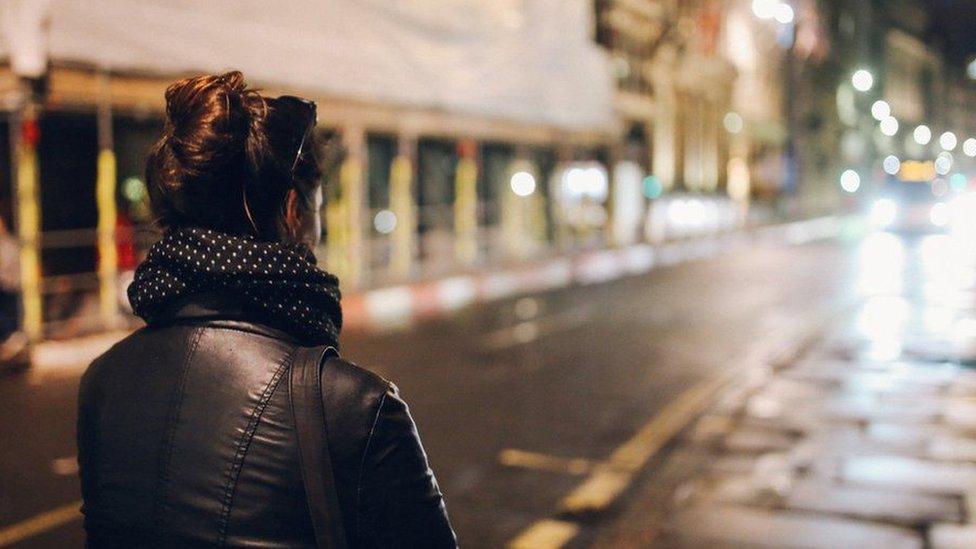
[{"x": 216, "y": 309}]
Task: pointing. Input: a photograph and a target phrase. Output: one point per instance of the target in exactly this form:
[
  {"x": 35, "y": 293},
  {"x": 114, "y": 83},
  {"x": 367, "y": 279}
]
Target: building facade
[{"x": 491, "y": 135}]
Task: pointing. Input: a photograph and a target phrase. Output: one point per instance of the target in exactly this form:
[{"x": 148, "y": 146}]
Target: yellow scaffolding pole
[
  {"x": 28, "y": 231},
  {"x": 335, "y": 234},
  {"x": 108, "y": 259},
  {"x": 351, "y": 182},
  {"x": 404, "y": 237},
  {"x": 105, "y": 183},
  {"x": 466, "y": 207}
]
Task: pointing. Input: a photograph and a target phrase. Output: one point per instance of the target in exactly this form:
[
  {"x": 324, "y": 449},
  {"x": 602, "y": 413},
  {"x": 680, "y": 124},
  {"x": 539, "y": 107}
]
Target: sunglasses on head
[{"x": 290, "y": 121}]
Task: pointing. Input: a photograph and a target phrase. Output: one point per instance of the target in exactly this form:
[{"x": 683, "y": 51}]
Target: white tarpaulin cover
[{"x": 528, "y": 60}]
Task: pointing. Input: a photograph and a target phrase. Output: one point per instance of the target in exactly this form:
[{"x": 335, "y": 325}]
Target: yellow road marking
[
  {"x": 633, "y": 454},
  {"x": 533, "y": 460},
  {"x": 597, "y": 491},
  {"x": 545, "y": 534},
  {"x": 38, "y": 524},
  {"x": 609, "y": 480}
]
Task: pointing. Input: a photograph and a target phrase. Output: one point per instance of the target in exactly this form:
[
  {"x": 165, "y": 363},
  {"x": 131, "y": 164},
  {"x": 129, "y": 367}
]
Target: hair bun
[
  {"x": 213, "y": 136},
  {"x": 210, "y": 119},
  {"x": 215, "y": 165}
]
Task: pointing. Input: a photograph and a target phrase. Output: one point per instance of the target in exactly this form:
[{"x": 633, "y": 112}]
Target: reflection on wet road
[{"x": 864, "y": 439}]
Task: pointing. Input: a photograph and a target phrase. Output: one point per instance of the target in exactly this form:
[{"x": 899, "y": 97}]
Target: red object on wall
[
  {"x": 30, "y": 132},
  {"x": 125, "y": 243},
  {"x": 467, "y": 148},
  {"x": 709, "y": 28}
]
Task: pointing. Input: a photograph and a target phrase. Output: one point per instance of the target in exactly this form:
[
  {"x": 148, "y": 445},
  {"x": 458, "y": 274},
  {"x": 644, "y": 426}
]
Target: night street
[
  {"x": 684, "y": 274},
  {"x": 597, "y": 364}
]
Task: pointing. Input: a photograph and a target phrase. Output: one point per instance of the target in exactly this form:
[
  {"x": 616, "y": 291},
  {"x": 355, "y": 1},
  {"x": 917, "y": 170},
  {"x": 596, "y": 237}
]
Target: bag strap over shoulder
[{"x": 305, "y": 393}]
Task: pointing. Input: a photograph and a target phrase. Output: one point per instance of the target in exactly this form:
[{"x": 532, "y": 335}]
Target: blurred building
[
  {"x": 900, "y": 107},
  {"x": 453, "y": 120},
  {"x": 472, "y": 133}
]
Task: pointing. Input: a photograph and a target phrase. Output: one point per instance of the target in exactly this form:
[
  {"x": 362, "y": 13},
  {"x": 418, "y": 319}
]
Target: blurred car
[{"x": 909, "y": 207}]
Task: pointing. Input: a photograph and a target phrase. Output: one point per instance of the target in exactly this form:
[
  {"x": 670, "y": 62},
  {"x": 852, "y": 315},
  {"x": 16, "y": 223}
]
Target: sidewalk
[
  {"x": 866, "y": 440},
  {"x": 396, "y": 307}
]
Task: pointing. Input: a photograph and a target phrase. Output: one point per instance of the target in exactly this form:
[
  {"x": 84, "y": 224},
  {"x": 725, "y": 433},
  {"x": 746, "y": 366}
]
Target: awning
[{"x": 524, "y": 60}]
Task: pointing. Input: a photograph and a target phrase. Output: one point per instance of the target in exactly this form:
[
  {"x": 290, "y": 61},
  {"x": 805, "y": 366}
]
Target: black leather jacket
[{"x": 185, "y": 439}]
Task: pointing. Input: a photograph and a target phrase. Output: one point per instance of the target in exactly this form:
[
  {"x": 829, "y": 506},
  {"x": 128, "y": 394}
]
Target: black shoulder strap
[{"x": 305, "y": 384}]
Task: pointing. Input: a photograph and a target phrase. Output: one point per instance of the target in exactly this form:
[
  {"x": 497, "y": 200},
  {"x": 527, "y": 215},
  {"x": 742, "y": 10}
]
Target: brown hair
[{"x": 215, "y": 167}]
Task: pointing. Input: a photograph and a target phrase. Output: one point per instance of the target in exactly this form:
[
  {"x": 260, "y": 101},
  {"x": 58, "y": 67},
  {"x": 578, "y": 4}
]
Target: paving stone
[
  {"x": 952, "y": 536},
  {"x": 733, "y": 465},
  {"x": 753, "y": 440},
  {"x": 903, "y": 508},
  {"x": 834, "y": 372},
  {"x": 710, "y": 428},
  {"x": 910, "y": 474},
  {"x": 728, "y": 526},
  {"x": 892, "y": 386},
  {"x": 965, "y": 383},
  {"x": 961, "y": 414},
  {"x": 795, "y": 424},
  {"x": 939, "y": 349},
  {"x": 793, "y": 389},
  {"x": 745, "y": 490},
  {"x": 871, "y": 409},
  {"x": 913, "y": 436},
  {"x": 933, "y": 349},
  {"x": 952, "y": 448},
  {"x": 850, "y": 406},
  {"x": 822, "y": 453}
]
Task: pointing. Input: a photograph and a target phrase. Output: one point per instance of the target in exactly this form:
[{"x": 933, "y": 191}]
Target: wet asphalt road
[{"x": 571, "y": 373}]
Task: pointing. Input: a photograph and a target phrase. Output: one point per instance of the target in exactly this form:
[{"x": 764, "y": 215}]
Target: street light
[
  {"x": 922, "y": 135},
  {"x": 765, "y": 9},
  {"x": 891, "y": 165},
  {"x": 943, "y": 163},
  {"x": 948, "y": 141},
  {"x": 733, "y": 122},
  {"x": 880, "y": 110},
  {"x": 889, "y": 126},
  {"x": 784, "y": 14},
  {"x": 850, "y": 181},
  {"x": 863, "y": 80},
  {"x": 969, "y": 147},
  {"x": 523, "y": 183}
]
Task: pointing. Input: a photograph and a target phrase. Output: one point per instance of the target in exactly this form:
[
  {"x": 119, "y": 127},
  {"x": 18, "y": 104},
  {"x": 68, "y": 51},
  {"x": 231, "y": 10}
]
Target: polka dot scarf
[{"x": 278, "y": 282}]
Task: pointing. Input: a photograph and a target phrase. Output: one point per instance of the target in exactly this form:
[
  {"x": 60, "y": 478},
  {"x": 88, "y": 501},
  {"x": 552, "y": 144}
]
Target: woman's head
[{"x": 233, "y": 160}]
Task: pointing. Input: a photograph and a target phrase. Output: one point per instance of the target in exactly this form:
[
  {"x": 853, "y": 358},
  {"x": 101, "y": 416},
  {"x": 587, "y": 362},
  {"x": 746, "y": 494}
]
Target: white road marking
[
  {"x": 512, "y": 457},
  {"x": 531, "y": 330},
  {"x": 38, "y": 524},
  {"x": 545, "y": 534},
  {"x": 66, "y": 466}
]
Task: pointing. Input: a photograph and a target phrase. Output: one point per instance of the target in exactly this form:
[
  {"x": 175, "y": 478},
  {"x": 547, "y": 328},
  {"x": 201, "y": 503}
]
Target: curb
[{"x": 401, "y": 305}]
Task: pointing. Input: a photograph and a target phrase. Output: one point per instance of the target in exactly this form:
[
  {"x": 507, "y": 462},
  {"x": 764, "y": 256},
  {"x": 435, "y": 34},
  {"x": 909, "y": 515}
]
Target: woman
[{"x": 186, "y": 435}]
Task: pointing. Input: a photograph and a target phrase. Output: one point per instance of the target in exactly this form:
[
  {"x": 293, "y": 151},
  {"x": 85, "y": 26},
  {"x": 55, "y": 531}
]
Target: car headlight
[
  {"x": 939, "y": 214},
  {"x": 883, "y": 212}
]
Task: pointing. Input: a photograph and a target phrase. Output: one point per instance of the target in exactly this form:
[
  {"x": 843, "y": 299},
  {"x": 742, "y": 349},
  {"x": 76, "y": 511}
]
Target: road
[{"x": 564, "y": 377}]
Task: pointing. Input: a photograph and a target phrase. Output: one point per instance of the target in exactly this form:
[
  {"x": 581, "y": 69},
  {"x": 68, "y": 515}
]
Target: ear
[{"x": 293, "y": 218}]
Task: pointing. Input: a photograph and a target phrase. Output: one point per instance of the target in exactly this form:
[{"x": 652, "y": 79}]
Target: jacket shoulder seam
[
  {"x": 244, "y": 443},
  {"x": 166, "y": 456},
  {"x": 366, "y": 449}
]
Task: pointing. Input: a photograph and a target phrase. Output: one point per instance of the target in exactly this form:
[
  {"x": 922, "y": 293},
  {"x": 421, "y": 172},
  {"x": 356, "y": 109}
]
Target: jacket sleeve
[{"x": 398, "y": 494}]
